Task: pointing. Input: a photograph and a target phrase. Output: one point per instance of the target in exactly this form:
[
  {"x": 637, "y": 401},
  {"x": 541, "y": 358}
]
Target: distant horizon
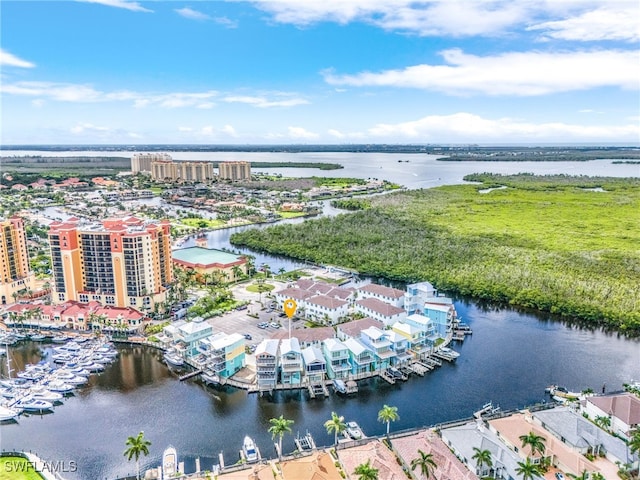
[{"x": 256, "y": 72}]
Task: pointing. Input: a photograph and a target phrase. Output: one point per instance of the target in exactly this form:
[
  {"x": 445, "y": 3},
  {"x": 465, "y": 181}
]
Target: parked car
[
  {"x": 274, "y": 325},
  {"x": 559, "y": 476},
  {"x": 247, "y": 336}
]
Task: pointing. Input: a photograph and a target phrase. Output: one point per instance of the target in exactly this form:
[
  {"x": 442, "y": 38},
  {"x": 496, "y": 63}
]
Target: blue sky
[{"x": 320, "y": 71}]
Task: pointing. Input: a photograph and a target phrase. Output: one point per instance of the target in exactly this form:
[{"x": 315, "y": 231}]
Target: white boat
[
  {"x": 354, "y": 431},
  {"x": 169, "y": 463},
  {"x": 447, "y": 351},
  {"x": 249, "y": 450},
  {"x": 210, "y": 379},
  {"x": 59, "y": 338},
  {"x": 59, "y": 386},
  {"x": 41, "y": 393},
  {"x": 7, "y": 413},
  {"x": 173, "y": 359},
  {"x": 339, "y": 386},
  {"x": 30, "y": 404}
]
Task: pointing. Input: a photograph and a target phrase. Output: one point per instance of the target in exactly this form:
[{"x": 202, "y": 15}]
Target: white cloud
[
  {"x": 229, "y": 130},
  {"x": 336, "y": 133},
  {"x": 191, "y": 14},
  {"x": 262, "y": 102},
  {"x": 510, "y": 73},
  {"x": 88, "y": 128},
  {"x": 133, "y": 6},
  {"x": 467, "y": 127},
  {"x": 227, "y": 22},
  {"x": 11, "y": 60},
  {"x": 185, "y": 129},
  {"x": 609, "y": 22},
  {"x": 38, "y": 102},
  {"x": 299, "y": 132},
  {"x": 77, "y": 93}
]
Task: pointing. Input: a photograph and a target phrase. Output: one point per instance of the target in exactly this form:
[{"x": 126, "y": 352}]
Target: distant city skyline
[{"x": 320, "y": 72}]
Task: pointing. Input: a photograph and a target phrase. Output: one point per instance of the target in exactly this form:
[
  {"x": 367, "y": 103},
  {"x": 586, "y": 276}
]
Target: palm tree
[
  {"x": 426, "y": 463},
  {"x": 634, "y": 446},
  {"x": 388, "y": 414},
  {"x": 137, "y": 445},
  {"x": 336, "y": 425},
  {"x": 528, "y": 470},
  {"x": 279, "y": 426},
  {"x": 535, "y": 442},
  {"x": 603, "y": 421},
  {"x": 366, "y": 472},
  {"x": 583, "y": 476},
  {"x": 482, "y": 458}
]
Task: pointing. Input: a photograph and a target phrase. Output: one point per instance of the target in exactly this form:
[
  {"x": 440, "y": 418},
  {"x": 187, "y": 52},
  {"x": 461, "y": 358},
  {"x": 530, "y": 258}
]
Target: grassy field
[
  {"x": 566, "y": 245},
  {"x": 203, "y": 223},
  {"x": 17, "y": 468}
]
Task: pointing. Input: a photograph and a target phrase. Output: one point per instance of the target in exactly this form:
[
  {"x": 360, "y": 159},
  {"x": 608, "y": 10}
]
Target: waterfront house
[
  {"x": 462, "y": 439},
  {"x": 355, "y": 327},
  {"x": 426, "y": 326},
  {"x": 326, "y": 310},
  {"x": 337, "y": 356},
  {"x": 385, "y": 312},
  {"x": 378, "y": 342},
  {"x": 317, "y": 466},
  {"x": 414, "y": 336},
  {"x": 441, "y": 315},
  {"x": 223, "y": 354},
  {"x": 267, "y": 364},
  {"x": 187, "y": 335},
  {"x": 377, "y": 454},
  {"x": 582, "y": 435},
  {"x": 400, "y": 346},
  {"x": 291, "y": 366},
  {"x": 511, "y": 428},
  {"x": 416, "y": 296},
  {"x": 622, "y": 408},
  {"x": 307, "y": 336},
  {"x": 315, "y": 365},
  {"x": 389, "y": 295},
  {"x": 361, "y": 358}
]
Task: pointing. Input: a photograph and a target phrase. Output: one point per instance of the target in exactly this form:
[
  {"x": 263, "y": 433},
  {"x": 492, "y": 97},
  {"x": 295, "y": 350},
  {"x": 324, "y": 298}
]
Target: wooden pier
[
  {"x": 190, "y": 375},
  {"x": 318, "y": 389},
  {"x": 385, "y": 375}
]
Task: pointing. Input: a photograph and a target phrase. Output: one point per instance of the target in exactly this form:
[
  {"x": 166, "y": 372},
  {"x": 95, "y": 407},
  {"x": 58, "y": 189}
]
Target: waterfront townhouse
[
  {"x": 582, "y": 435},
  {"x": 291, "y": 365},
  {"x": 300, "y": 296},
  {"x": 307, "y": 337},
  {"x": 378, "y": 342},
  {"x": 415, "y": 337},
  {"x": 622, "y": 408},
  {"x": 315, "y": 365},
  {"x": 389, "y": 295},
  {"x": 337, "y": 355},
  {"x": 400, "y": 346},
  {"x": 361, "y": 358},
  {"x": 375, "y": 453},
  {"x": 416, "y": 296},
  {"x": 325, "y": 310},
  {"x": 442, "y": 315},
  {"x": 510, "y": 429},
  {"x": 355, "y": 327},
  {"x": 223, "y": 354},
  {"x": 267, "y": 364},
  {"x": 187, "y": 335},
  {"x": 385, "y": 312}
]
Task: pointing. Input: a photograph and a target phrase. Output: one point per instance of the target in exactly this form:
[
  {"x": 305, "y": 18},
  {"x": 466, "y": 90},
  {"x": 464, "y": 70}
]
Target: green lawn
[
  {"x": 291, "y": 214},
  {"x": 17, "y": 468},
  {"x": 257, "y": 287},
  {"x": 203, "y": 223}
]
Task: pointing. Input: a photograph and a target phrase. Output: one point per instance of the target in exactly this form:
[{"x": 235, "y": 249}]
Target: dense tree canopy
[{"x": 566, "y": 245}]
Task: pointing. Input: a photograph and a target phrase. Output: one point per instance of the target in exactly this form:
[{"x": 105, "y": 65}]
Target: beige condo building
[
  {"x": 141, "y": 162},
  {"x": 15, "y": 272},
  {"x": 234, "y": 171},
  {"x": 174, "y": 171},
  {"x": 121, "y": 262}
]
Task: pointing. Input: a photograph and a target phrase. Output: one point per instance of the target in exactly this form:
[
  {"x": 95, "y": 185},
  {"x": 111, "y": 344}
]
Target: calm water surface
[{"x": 510, "y": 358}]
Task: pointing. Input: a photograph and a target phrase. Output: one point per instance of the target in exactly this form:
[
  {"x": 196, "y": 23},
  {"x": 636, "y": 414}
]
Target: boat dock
[
  {"x": 448, "y": 355},
  {"x": 318, "y": 389},
  {"x": 305, "y": 443},
  {"x": 190, "y": 375}
]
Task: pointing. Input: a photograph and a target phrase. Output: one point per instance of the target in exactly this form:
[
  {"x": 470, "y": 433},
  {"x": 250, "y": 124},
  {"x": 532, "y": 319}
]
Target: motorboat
[
  {"x": 169, "y": 463},
  {"x": 7, "y": 413},
  {"x": 34, "y": 405},
  {"x": 42, "y": 393},
  {"x": 354, "y": 431},
  {"x": 249, "y": 449},
  {"x": 37, "y": 337},
  {"x": 69, "y": 377},
  {"x": 339, "y": 386},
  {"x": 59, "y": 386},
  {"x": 173, "y": 359}
]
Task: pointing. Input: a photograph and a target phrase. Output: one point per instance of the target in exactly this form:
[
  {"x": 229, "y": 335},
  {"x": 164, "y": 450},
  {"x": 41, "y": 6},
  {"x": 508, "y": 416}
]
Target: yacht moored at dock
[{"x": 249, "y": 450}]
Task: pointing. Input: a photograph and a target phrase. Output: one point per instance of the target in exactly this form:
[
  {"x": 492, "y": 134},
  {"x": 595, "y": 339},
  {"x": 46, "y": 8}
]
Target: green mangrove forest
[{"x": 560, "y": 244}]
